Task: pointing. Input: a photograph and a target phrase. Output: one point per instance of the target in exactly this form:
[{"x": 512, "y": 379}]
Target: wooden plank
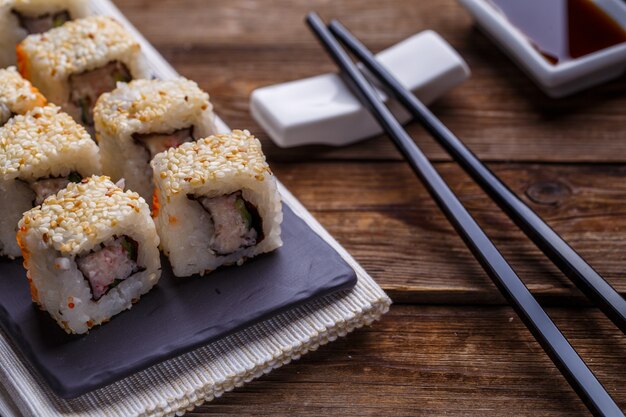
[
  {"x": 386, "y": 219},
  {"x": 434, "y": 361},
  {"x": 499, "y": 113}
]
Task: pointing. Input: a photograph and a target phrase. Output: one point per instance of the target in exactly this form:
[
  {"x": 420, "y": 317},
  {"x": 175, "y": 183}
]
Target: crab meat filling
[
  {"x": 43, "y": 22},
  {"x": 236, "y": 223},
  {"x": 108, "y": 266},
  {"x": 159, "y": 142},
  {"x": 87, "y": 86},
  {"x": 45, "y": 187}
]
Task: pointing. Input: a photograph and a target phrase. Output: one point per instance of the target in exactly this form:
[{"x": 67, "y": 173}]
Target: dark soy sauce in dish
[{"x": 562, "y": 30}]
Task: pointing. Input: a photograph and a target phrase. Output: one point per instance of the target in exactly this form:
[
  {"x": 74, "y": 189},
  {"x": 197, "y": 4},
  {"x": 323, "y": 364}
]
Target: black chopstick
[
  {"x": 558, "y": 251},
  {"x": 510, "y": 285}
]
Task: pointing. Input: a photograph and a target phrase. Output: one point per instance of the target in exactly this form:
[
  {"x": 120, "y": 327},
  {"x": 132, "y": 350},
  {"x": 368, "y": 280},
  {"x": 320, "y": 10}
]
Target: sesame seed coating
[
  {"x": 219, "y": 156},
  {"x": 82, "y": 214},
  {"x": 77, "y": 46},
  {"x": 40, "y": 137},
  {"x": 17, "y": 94},
  {"x": 131, "y": 106}
]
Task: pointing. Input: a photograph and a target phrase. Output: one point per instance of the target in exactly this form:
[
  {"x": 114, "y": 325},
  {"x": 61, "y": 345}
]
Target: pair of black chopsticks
[{"x": 580, "y": 377}]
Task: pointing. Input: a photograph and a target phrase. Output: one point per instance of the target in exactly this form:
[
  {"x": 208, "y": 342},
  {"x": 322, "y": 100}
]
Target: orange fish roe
[
  {"x": 22, "y": 61},
  {"x": 34, "y": 293},
  {"x": 155, "y": 203}
]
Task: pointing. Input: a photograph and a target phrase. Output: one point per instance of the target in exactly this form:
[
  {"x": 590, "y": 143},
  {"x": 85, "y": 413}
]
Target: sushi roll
[
  {"x": 145, "y": 117},
  {"x": 90, "y": 251},
  {"x": 41, "y": 152},
  {"x": 215, "y": 202},
  {"x": 17, "y": 95},
  {"x": 20, "y": 18},
  {"x": 74, "y": 64}
]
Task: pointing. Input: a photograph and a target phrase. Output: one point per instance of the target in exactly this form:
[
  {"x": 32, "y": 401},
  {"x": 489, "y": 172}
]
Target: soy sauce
[{"x": 562, "y": 30}]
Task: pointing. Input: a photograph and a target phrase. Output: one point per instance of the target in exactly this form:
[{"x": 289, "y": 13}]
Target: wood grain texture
[
  {"x": 564, "y": 157},
  {"x": 225, "y": 49},
  {"x": 232, "y": 47},
  {"x": 436, "y": 361},
  {"x": 387, "y": 220}
]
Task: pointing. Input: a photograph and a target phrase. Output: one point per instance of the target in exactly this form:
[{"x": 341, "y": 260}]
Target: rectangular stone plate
[{"x": 177, "y": 316}]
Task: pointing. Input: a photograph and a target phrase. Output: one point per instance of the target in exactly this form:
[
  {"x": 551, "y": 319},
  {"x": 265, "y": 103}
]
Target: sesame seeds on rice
[
  {"x": 133, "y": 106},
  {"x": 39, "y": 140},
  {"x": 84, "y": 217},
  {"x": 16, "y": 93},
  {"x": 82, "y": 214},
  {"x": 237, "y": 153},
  {"x": 77, "y": 46}
]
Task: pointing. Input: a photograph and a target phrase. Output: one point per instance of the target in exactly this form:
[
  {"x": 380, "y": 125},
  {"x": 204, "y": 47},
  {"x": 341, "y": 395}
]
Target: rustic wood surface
[{"x": 449, "y": 346}]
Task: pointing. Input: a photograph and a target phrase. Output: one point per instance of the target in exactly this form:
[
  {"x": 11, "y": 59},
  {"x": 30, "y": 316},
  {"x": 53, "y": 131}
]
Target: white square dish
[{"x": 563, "y": 78}]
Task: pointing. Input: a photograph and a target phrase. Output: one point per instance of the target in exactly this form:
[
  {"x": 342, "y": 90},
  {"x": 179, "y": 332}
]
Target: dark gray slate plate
[{"x": 176, "y": 316}]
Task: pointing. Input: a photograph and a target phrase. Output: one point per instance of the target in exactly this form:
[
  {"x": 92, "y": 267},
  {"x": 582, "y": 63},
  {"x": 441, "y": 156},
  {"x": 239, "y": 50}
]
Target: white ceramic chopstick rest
[{"x": 322, "y": 110}]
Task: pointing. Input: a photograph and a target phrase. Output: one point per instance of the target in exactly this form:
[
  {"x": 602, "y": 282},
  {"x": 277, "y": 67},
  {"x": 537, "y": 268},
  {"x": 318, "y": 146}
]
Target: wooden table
[{"x": 450, "y": 345}]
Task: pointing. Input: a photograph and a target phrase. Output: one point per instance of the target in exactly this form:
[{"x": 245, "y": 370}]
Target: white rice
[
  {"x": 212, "y": 167},
  {"x": 76, "y": 47},
  {"x": 143, "y": 107},
  {"x": 44, "y": 142},
  {"x": 17, "y": 95},
  {"x": 95, "y": 211},
  {"x": 10, "y": 31}
]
